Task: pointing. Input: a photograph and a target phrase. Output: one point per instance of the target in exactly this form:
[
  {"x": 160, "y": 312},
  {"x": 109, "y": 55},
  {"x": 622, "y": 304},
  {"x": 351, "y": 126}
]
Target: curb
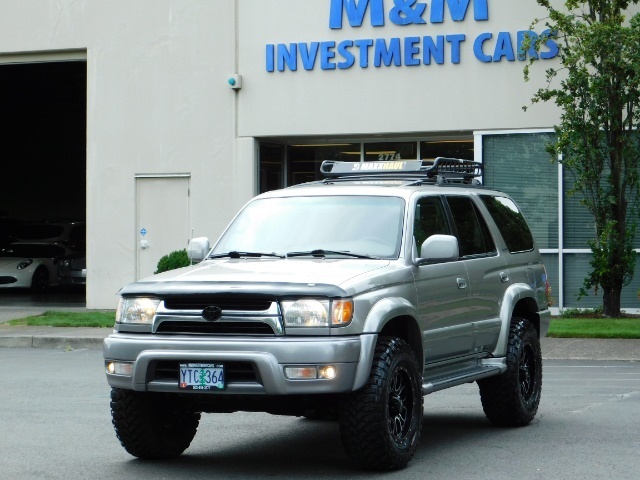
[
  {"x": 66, "y": 338},
  {"x": 38, "y": 341}
]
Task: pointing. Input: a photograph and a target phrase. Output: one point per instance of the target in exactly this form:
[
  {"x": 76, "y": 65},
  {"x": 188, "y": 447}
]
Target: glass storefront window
[
  {"x": 304, "y": 160},
  {"x": 385, "y": 151},
  {"x": 579, "y": 226},
  {"x": 519, "y": 165},
  {"x": 553, "y": 277},
  {"x": 271, "y": 167},
  {"x": 576, "y": 267},
  {"x": 429, "y": 150}
]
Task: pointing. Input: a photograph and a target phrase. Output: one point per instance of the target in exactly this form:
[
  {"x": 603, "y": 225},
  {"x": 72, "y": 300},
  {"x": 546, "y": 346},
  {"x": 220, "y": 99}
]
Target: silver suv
[{"x": 347, "y": 298}]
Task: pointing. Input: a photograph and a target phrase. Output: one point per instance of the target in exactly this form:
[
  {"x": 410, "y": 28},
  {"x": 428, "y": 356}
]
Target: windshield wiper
[
  {"x": 234, "y": 254},
  {"x": 323, "y": 253}
]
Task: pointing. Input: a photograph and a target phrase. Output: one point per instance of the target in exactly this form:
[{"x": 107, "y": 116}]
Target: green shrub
[
  {"x": 174, "y": 260},
  {"x": 582, "y": 312}
]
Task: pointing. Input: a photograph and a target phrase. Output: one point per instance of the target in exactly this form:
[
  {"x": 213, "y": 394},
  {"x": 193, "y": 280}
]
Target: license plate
[{"x": 201, "y": 376}]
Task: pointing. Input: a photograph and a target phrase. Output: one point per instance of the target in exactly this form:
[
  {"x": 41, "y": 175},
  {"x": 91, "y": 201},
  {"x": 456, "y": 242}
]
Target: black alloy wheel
[
  {"x": 527, "y": 373},
  {"x": 400, "y": 405}
]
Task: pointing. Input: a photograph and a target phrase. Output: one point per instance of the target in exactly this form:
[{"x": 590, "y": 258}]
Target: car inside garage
[{"x": 43, "y": 194}]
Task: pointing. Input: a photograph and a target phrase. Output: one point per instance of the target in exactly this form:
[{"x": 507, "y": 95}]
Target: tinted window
[
  {"x": 472, "y": 231},
  {"x": 430, "y": 219},
  {"x": 511, "y": 223}
]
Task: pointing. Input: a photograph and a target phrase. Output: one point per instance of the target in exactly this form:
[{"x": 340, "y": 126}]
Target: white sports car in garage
[{"x": 30, "y": 265}]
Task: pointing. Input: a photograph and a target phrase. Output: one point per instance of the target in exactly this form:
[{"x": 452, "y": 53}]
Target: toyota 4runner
[{"x": 350, "y": 298}]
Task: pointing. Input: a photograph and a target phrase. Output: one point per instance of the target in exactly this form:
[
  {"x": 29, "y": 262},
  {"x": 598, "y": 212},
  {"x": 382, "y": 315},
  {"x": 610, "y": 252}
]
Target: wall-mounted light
[{"x": 235, "y": 81}]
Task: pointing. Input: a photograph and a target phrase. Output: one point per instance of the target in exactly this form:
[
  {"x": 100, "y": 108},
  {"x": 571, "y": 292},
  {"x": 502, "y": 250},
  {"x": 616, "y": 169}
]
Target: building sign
[{"x": 409, "y": 51}]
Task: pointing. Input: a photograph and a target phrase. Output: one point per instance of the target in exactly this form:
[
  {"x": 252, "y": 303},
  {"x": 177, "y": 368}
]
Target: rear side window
[
  {"x": 511, "y": 223},
  {"x": 473, "y": 234}
]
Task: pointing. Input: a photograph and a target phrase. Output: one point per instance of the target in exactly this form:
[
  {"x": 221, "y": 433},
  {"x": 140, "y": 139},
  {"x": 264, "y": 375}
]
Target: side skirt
[{"x": 465, "y": 370}]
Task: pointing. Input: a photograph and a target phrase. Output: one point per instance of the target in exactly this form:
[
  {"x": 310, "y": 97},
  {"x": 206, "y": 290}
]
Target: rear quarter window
[{"x": 510, "y": 222}]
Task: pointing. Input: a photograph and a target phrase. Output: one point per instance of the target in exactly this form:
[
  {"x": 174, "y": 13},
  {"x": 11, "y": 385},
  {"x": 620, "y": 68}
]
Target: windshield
[{"x": 363, "y": 225}]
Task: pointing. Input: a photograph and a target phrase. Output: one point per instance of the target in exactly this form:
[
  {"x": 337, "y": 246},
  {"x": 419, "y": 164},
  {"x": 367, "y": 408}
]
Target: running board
[{"x": 466, "y": 373}]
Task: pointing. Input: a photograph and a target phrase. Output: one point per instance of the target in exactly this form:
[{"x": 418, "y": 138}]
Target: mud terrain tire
[
  {"x": 512, "y": 399},
  {"x": 150, "y": 425},
  {"x": 380, "y": 424}
]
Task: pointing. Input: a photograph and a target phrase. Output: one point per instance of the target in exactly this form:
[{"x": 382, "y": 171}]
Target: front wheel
[
  {"x": 40, "y": 280},
  {"x": 512, "y": 399},
  {"x": 152, "y": 426},
  {"x": 380, "y": 424}
]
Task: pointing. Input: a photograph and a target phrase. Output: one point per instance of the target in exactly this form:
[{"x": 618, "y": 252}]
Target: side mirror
[
  {"x": 438, "y": 248},
  {"x": 198, "y": 249}
]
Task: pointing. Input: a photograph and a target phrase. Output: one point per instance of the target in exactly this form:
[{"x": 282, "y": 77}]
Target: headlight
[
  {"x": 309, "y": 312},
  {"x": 137, "y": 310},
  {"x": 24, "y": 264}
]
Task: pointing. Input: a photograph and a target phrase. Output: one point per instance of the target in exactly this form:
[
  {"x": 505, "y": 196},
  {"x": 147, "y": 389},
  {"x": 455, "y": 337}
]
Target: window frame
[{"x": 480, "y": 220}]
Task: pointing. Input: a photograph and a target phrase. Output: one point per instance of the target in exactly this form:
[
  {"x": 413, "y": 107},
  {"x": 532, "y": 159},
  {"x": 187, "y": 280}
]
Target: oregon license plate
[{"x": 201, "y": 376}]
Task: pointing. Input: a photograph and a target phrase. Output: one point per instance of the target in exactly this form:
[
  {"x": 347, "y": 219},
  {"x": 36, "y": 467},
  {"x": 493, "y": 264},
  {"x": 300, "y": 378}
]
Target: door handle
[
  {"x": 504, "y": 277},
  {"x": 462, "y": 283}
]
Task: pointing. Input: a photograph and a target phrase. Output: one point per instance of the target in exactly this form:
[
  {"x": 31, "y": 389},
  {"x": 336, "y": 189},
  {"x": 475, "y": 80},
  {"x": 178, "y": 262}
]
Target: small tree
[{"x": 599, "y": 99}]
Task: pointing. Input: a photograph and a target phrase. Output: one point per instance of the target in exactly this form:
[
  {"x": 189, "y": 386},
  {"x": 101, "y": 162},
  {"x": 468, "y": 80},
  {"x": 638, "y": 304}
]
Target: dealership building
[{"x": 155, "y": 120}]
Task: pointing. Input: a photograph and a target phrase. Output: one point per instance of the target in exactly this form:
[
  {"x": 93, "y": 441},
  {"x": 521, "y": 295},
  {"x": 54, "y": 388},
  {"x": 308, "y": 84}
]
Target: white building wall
[
  {"x": 468, "y": 95},
  {"x": 157, "y": 102}
]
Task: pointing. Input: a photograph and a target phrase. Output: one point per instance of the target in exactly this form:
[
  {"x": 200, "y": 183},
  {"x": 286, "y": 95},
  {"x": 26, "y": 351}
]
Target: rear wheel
[
  {"x": 512, "y": 399},
  {"x": 380, "y": 424},
  {"x": 152, "y": 425}
]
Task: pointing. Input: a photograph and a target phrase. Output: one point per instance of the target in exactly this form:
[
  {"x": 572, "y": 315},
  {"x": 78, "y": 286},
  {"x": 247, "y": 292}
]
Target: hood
[
  {"x": 10, "y": 262},
  {"x": 258, "y": 275}
]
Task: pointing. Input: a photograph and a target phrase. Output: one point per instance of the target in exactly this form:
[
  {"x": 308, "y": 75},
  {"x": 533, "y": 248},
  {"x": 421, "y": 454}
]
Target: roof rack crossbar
[{"x": 442, "y": 170}]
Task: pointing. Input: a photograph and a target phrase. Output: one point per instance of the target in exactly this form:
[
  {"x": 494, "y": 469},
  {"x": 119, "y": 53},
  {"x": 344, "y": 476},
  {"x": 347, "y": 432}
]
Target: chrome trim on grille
[{"x": 271, "y": 317}]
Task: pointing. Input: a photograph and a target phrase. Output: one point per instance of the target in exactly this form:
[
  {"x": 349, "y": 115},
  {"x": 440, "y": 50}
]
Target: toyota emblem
[{"x": 211, "y": 313}]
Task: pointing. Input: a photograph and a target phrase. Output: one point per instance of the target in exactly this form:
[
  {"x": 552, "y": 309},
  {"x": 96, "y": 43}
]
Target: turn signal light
[
  {"x": 342, "y": 312},
  {"x": 301, "y": 373}
]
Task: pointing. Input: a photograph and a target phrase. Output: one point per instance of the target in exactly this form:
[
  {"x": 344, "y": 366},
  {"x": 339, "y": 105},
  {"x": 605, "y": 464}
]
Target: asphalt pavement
[{"x": 76, "y": 338}]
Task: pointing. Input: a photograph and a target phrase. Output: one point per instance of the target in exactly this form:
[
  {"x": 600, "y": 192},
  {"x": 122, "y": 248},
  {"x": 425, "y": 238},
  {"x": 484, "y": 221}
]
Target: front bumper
[
  {"x": 13, "y": 281},
  {"x": 255, "y": 365}
]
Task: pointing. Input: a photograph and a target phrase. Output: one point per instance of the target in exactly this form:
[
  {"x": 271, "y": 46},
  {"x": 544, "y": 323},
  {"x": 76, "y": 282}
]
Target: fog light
[
  {"x": 329, "y": 372},
  {"x": 301, "y": 373},
  {"x": 120, "y": 368}
]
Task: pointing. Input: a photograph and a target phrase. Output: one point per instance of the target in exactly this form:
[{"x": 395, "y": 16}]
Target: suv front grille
[
  {"x": 214, "y": 328},
  {"x": 240, "y": 315},
  {"x": 233, "y": 303}
]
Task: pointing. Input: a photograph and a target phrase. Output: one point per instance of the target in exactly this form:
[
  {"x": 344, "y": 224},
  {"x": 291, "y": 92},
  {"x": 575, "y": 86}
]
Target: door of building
[{"x": 162, "y": 219}]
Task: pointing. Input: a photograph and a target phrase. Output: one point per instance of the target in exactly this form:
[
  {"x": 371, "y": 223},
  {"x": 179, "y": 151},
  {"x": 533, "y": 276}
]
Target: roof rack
[{"x": 441, "y": 170}]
